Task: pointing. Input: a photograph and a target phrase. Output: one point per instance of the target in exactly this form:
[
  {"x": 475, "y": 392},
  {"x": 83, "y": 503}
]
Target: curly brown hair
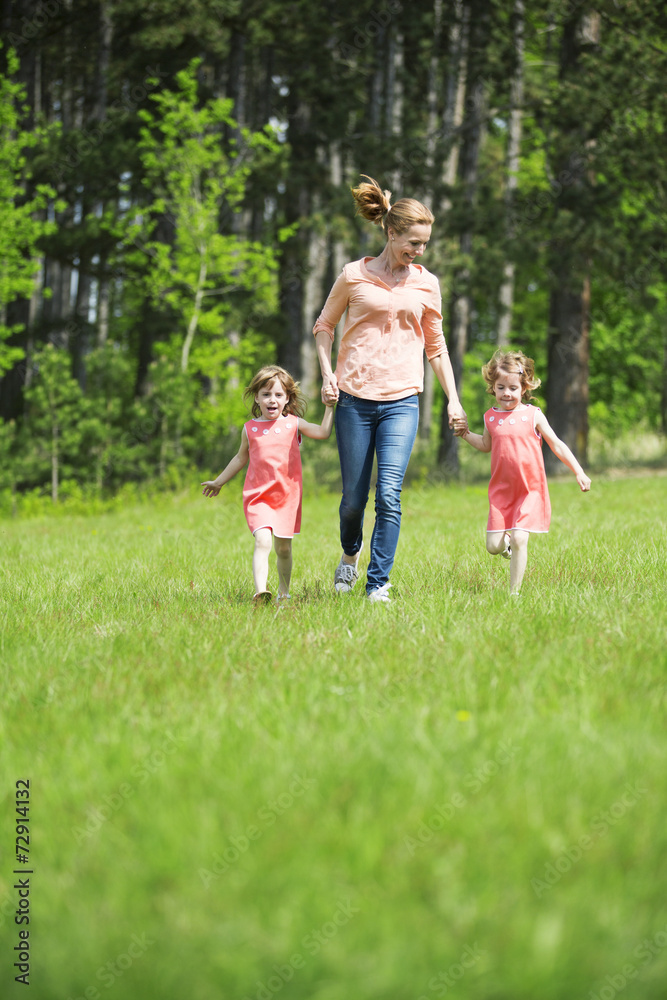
[
  {"x": 375, "y": 205},
  {"x": 514, "y": 363},
  {"x": 296, "y": 402}
]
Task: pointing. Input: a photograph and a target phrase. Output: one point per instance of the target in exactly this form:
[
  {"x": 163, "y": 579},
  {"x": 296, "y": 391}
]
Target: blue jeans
[{"x": 364, "y": 428}]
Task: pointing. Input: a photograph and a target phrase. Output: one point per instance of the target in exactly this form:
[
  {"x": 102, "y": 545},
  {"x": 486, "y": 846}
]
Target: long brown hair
[{"x": 296, "y": 402}]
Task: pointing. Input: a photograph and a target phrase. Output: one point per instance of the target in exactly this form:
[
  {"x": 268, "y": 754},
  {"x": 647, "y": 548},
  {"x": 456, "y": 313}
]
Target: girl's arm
[
  {"x": 561, "y": 450},
  {"x": 442, "y": 367},
  {"x": 318, "y": 431},
  {"x": 213, "y": 486},
  {"x": 480, "y": 441}
]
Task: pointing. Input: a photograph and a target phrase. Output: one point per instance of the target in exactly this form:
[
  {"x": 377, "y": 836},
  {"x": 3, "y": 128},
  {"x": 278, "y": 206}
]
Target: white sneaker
[
  {"x": 507, "y": 551},
  {"x": 380, "y": 594},
  {"x": 346, "y": 575}
]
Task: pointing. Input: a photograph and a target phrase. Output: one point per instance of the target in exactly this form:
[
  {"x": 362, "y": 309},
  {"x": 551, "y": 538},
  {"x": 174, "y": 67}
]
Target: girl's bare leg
[
  {"x": 497, "y": 541},
  {"x": 260, "y": 559},
  {"x": 519, "y": 542},
  {"x": 283, "y": 547}
]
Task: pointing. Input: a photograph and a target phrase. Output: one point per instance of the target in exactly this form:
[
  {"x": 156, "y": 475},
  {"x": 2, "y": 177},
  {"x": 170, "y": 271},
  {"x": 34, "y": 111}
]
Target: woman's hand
[
  {"x": 329, "y": 389},
  {"x": 458, "y": 420}
]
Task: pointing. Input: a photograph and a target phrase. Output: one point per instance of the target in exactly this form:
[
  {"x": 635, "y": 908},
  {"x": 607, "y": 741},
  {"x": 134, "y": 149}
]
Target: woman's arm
[
  {"x": 213, "y": 486},
  {"x": 318, "y": 431},
  {"x": 442, "y": 367},
  {"x": 561, "y": 450},
  {"x": 324, "y": 343},
  {"x": 324, "y": 330}
]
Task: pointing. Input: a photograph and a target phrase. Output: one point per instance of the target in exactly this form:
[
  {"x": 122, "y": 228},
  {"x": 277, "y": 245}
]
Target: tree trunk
[
  {"x": 569, "y": 307},
  {"x": 506, "y": 296},
  {"x": 312, "y": 305},
  {"x": 663, "y": 392},
  {"x": 103, "y": 60},
  {"x": 54, "y": 462},
  {"x": 451, "y": 123},
  {"x": 460, "y": 306},
  {"x": 80, "y": 344},
  {"x": 294, "y": 259},
  {"x": 103, "y": 293},
  {"x": 394, "y": 97},
  {"x": 456, "y": 92},
  {"x": 194, "y": 319},
  {"x": 427, "y": 396},
  {"x": 567, "y": 360}
]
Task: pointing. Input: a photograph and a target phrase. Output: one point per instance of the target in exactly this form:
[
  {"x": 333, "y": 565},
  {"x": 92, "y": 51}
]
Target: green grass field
[{"x": 456, "y": 795}]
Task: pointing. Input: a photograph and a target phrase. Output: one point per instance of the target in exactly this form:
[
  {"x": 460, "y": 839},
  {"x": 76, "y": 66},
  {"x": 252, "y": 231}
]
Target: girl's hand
[
  {"x": 210, "y": 489},
  {"x": 584, "y": 482},
  {"x": 458, "y": 420},
  {"x": 329, "y": 389}
]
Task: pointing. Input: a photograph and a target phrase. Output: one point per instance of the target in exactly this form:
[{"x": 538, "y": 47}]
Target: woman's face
[{"x": 410, "y": 244}]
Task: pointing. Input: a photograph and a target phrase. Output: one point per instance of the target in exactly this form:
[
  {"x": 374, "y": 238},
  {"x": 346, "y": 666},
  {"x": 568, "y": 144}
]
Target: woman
[{"x": 394, "y": 313}]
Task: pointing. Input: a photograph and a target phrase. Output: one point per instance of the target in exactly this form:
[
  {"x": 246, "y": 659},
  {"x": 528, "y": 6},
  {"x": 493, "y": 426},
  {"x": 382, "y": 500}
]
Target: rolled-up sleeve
[
  {"x": 434, "y": 338},
  {"x": 334, "y": 307}
]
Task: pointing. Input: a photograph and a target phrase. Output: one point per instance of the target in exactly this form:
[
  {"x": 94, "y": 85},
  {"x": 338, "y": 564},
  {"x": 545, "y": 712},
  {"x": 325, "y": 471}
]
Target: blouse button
[
  {"x": 265, "y": 432},
  {"x": 500, "y": 422}
]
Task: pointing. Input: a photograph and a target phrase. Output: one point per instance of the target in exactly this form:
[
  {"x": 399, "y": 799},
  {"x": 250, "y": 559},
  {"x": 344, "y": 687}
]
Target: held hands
[
  {"x": 458, "y": 420},
  {"x": 210, "y": 488},
  {"x": 329, "y": 389}
]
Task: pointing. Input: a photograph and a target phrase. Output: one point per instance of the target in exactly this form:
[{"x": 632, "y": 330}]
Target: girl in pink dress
[
  {"x": 272, "y": 490},
  {"x": 513, "y": 432}
]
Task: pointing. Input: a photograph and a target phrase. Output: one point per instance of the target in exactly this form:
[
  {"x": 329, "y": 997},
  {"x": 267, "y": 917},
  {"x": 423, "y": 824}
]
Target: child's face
[
  {"x": 271, "y": 399},
  {"x": 507, "y": 390}
]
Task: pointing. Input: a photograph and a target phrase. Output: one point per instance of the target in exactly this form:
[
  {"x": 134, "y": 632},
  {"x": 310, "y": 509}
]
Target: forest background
[{"x": 175, "y": 207}]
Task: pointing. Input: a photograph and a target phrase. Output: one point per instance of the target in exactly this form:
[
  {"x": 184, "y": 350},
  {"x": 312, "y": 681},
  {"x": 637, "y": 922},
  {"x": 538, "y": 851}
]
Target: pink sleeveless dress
[
  {"x": 518, "y": 493},
  {"x": 273, "y": 488}
]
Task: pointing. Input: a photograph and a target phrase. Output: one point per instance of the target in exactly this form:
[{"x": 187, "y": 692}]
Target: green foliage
[
  {"x": 216, "y": 224},
  {"x": 22, "y": 222},
  {"x": 197, "y": 174},
  {"x": 55, "y": 430},
  {"x": 117, "y": 437},
  {"x": 627, "y": 356}
]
